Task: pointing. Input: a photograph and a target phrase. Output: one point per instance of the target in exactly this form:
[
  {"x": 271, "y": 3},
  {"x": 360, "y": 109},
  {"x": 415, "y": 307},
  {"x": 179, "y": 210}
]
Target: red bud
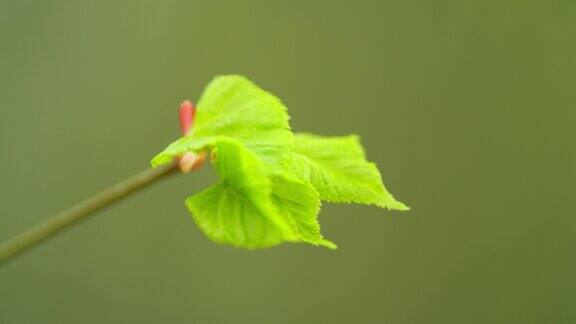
[{"x": 187, "y": 114}]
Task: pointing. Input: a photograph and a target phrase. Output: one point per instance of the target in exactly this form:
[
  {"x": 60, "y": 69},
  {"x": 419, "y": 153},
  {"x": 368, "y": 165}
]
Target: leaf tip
[
  {"x": 395, "y": 205},
  {"x": 328, "y": 244}
]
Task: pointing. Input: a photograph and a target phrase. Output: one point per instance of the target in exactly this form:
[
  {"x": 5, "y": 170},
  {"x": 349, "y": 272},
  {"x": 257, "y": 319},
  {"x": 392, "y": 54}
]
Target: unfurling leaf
[{"x": 271, "y": 182}]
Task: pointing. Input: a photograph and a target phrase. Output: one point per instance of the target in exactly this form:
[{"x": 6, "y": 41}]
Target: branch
[{"x": 73, "y": 215}]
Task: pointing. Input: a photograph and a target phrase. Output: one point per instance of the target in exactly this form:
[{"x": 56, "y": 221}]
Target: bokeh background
[{"x": 468, "y": 107}]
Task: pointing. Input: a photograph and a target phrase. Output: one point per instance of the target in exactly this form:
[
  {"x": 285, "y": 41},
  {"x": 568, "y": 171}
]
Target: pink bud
[{"x": 187, "y": 114}]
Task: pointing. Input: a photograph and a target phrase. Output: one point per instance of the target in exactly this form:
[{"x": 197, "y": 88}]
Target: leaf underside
[{"x": 271, "y": 182}]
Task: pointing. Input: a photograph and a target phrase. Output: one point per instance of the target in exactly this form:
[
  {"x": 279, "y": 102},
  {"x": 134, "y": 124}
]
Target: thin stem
[{"x": 73, "y": 215}]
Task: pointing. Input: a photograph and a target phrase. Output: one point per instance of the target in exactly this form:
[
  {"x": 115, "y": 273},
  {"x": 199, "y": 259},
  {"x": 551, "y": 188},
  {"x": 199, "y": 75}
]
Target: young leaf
[
  {"x": 250, "y": 209},
  {"x": 299, "y": 203},
  {"x": 228, "y": 216},
  {"x": 337, "y": 168},
  {"x": 235, "y": 107},
  {"x": 238, "y": 210},
  {"x": 271, "y": 183}
]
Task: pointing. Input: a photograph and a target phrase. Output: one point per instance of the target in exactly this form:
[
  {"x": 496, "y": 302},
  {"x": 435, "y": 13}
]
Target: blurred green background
[{"x": 468, "y": 107}]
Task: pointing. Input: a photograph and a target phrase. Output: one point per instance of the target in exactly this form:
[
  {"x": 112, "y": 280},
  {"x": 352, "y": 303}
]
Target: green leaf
[
  {"x": 299, "y": 203},
  {"x": 235, "y": 107},
  {"x": 271, "y": 183},
  {"x": 239, "y": 210},
  {"x": 337, "y": 168},
  {"x": 228, "y": 216},
  {"x": 248, "y": 208}
]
